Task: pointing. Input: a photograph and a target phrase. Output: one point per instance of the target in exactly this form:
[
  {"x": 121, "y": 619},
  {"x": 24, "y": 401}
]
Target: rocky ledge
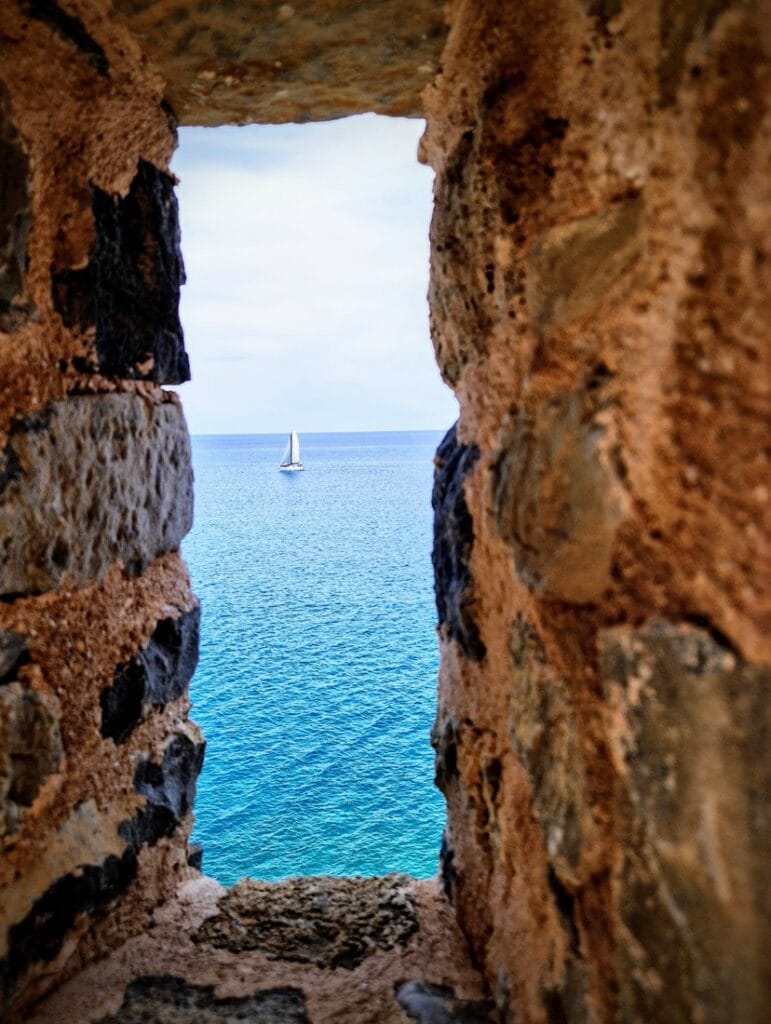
[{"x": 305, "y": 951}]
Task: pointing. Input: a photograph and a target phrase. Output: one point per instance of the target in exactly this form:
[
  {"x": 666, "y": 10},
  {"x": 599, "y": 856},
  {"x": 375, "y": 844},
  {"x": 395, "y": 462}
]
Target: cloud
[{"x": 306, "y": 249}]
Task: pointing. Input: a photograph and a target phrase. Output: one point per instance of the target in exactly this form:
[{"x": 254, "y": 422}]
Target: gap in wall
[{"x": 307, "y": 258}]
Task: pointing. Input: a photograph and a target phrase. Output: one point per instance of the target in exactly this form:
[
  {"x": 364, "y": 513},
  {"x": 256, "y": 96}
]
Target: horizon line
[{"x": 281, "y": 433}]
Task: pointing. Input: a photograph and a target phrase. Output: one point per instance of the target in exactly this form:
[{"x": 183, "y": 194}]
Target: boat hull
[{"x": 296, "y": 468}]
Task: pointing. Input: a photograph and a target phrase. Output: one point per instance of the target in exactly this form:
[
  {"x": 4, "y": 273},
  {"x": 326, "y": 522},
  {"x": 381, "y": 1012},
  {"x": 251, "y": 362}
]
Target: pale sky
[{"x": 306, "y": 249}]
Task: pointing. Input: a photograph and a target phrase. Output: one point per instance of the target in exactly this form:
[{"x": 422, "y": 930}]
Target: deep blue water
[{"x": 317, "y": 680}]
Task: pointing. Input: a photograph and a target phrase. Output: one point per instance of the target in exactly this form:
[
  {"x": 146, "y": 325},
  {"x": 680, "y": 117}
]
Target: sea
[{"x": 316, "y": 685}]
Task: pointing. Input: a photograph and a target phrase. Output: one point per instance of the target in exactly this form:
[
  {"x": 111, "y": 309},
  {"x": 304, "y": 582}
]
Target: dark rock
[
  {"x": 447, "y": 872},
  {"x": 453, "y": 540},
  {"x": 437, "y": 1004},
  {"x": 40, "y": 935},
  {"x": 158, "y": 674},
  {"x": 170, "y": 791},
  {"x": 444, "y": 740},
  {"x": 70, "y": 28},
  {"x": 30, "y": 750},
  {"x": 330, "y": 922},
  {"x": 15, "y": 221},
  {"x": 13, "y": 653},
  {"x": 165, "y": 999},
  {"x": 130, "y": 289},
  {"x": 195, "y": 856}
]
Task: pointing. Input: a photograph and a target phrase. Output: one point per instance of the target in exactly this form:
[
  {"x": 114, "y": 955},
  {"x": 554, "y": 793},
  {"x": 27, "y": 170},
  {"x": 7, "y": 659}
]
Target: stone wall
[
  {"x": 600, "y": 273},
  {"x": 98, "y": 627}
]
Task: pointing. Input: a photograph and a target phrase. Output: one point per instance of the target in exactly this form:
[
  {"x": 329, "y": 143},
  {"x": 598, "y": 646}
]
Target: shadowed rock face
[
  {"x": 329, "y": 922},
  {"x": 15, "y": 220},
  {"x": 170, "y": 791},
  {"x": 129, "y": 292},
  {"x": 30, "y": 750},
  {"x": 165, "y": 999},
  {"x": 453, "y": 539},
  {"x": 249, "y": 61}
]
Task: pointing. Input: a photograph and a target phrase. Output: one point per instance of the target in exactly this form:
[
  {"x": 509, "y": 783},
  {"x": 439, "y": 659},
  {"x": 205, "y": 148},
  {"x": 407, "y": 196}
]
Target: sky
[{"x": 306, "y": 250}]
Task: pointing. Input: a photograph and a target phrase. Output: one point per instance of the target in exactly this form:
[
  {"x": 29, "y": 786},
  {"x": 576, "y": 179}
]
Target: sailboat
[{"x": 290, "y": 463}]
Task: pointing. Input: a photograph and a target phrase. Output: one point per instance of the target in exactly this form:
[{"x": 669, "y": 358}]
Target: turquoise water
[{"x": 317, "y": 680}]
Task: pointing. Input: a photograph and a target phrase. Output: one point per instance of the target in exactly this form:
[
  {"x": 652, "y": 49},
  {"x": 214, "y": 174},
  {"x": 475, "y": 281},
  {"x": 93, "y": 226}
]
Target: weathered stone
[
  {"x": 248, "y": 61},
  {"x": 544, "y": 735},
  {"x": 170, "y": 791},
  {"x": 30, "y": 750},
  {"x": 92, "y": 480},
  {"x": 681, "y": 23},
  {"x": 330, "y": 922},
  {"x": 453, "y": 540},
  {"x": 40, "y": 935},
  {"x": 165, "y": 999},
  {"x": 129, "y": 292},
  {"x": 68, "y": 27},
  {"x": 572, "y": 266},
  {"x": 15, "y": 221},
  {"x": 694, "y": 807},
  {"x": 559, "y": 501},
  {"x": 13, "y": 652},
  {"x": 437, "y": 1004},
  {"x": 159, "y": 673}
]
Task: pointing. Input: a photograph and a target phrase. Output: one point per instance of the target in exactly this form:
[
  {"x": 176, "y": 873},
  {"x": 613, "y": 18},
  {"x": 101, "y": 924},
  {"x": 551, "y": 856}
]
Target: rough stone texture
[
  {"x": 15, "y": 220},
  {"x": 159, "y": 673},
  {"x": 171, "y": 972},
  {"x": 560, "y": 502},
  {"x": 600, "y": 257},
  {"x": 329, "y": 922},
  {"x": 165, "y": 999},
  {"x": 114, "y": 466},
  {"x": 702, "y": 824},
  {"x": 312, "y": 60},
  {"x": 30, "y": 750},
  {"x": 128, "y": 294}
]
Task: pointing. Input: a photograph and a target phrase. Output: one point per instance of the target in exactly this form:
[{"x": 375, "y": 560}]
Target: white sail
[{"x": 291, "y": 457}]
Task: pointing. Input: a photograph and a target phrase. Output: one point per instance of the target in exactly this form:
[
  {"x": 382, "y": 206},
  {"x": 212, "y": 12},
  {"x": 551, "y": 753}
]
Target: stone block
[
  {"x": 693, "y": 722},
  {"x": 247, "y": 61},
  {"x": 30, "y": 750},
  {"x": 329, "y": 922},
  {"x": 559, "y": 501},
  {"x": 89, "y": 481}
]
